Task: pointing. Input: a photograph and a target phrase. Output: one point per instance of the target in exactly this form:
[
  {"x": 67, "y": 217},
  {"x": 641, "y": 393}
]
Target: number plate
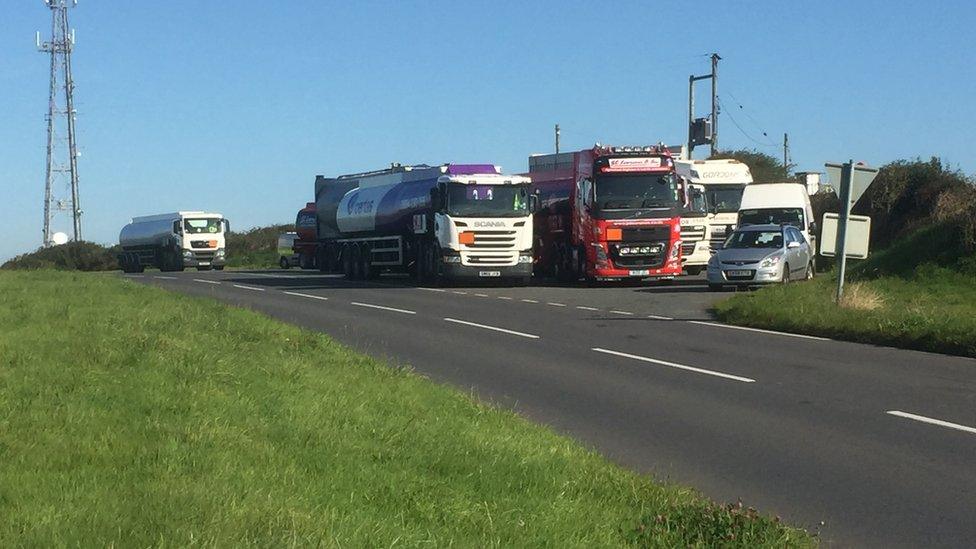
[
  {"x": 641, "y": 272},
  {"x": 204, "y": 263},
  {"x": 489, "y": 273},
  {"x": 738, "y": 273}
]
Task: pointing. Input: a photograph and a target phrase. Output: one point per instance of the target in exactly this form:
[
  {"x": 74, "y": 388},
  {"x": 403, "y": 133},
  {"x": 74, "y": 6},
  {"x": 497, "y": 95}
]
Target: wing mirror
[
  {"x": 226, "y": 226},
  {"x": 534, "y": 202},
  {"x": 793, "y": 245}
]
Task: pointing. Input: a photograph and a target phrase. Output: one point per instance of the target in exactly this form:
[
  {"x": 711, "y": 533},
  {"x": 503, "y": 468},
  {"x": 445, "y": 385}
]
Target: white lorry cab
[
  {"x": 695, "y": 231},
  {"x": 722, "y": 182},
  {"x": 286, "y": 250},
  {"x": 174, "y": 241},
  {"x": 779, "y": 204}
]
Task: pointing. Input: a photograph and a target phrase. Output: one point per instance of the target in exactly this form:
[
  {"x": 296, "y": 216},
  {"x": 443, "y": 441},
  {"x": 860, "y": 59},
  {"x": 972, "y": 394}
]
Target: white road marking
[
  {"x": 481, "y": 295},
  {"x": 206, "y": 281},
  {"x": 432, "y": 289},
  {"x": 310, "y": 296},
  {"x": 659, "y": 317},
  {"x": 760, "y": 330},
  {"x": 933, "y": 421},
  {"x": 132, "y": 276},
  {"x": 459, "y": 293},
  {"x": 529, "y": 301},
  {"x": 675, "y": 365},
  {"x": 505, "y": 297},
  {"x": 165, "y": 277},
  {"x": 248, "y": 288},
  {"x": 556, "y": 304},
  {"x": 494, "y": 328},
  {"x": 622, "y": 313},
  {"x": 582, "y": 308},
  {"x": 393, "y": 309}
]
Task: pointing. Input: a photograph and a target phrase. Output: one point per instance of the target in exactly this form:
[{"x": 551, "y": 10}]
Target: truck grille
[
  {"x": 492, "y": 240},
  {"x": 203, "y": 256},
  {"x": 644, "y": 234},
  {"x": 652, "y": 261},
  {"x": 690, "y": 238},
  {"x": 489, "y": 259}
]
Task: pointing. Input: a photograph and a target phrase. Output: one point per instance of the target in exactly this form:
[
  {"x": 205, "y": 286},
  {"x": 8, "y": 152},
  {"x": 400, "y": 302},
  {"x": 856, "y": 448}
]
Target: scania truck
[
  {"x": 174, "y": 241},
  {"x": 723, "y": 182},
  {"x": 608, "y": 213},
  {"x": 452, "y": 221}
]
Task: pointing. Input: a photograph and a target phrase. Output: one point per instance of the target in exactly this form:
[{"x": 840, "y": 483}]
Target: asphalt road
[{"x": 841, "y": 438}]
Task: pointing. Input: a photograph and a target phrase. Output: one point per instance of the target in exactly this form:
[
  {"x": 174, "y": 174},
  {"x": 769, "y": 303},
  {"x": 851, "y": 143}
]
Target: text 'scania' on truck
[
  {"x": 452, "y": 221},
  {"x": 608, "y": 213}
]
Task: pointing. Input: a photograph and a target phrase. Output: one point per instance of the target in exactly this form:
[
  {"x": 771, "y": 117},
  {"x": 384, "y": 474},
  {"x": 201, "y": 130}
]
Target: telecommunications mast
[{"x": 61, "y": 111}]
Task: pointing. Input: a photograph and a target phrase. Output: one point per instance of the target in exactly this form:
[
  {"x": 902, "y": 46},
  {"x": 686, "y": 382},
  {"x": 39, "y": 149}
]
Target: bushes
[
  {"x": 256, "y": 247},
  {"x": 76, "y": 256}
]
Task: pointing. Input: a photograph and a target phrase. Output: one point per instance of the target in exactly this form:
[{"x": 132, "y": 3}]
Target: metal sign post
[{"x": 845, "y": 213}]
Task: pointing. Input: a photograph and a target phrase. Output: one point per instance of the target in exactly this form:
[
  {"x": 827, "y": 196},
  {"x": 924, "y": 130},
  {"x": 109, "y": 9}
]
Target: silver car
[{"x": 761, "y": 254}]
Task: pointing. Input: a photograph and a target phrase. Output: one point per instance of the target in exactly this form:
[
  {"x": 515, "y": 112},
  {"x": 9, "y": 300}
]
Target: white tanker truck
[{"x": 174, "y": 241}]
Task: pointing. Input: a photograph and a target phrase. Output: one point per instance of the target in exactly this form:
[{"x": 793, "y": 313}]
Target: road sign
[
  {"x": 860, "y": 179},
  {"x": 857, "y": 240}
]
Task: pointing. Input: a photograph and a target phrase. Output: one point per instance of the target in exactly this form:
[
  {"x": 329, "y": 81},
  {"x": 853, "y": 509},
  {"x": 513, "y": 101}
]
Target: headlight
[
  {"x": 220, "y": 252},
  {"x": 769, "y": 261},
  {"x": 188, "y": 254},
  {"x": 675, "y": 250},
  {"x": 525, "y": 259}
]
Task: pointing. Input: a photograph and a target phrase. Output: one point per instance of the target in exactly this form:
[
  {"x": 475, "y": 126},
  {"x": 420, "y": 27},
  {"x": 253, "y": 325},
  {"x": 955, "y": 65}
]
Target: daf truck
[
  {"x": 723, "y": 182},
  {"x": 174, "y": 241},
  {"x": 438, "y": 223},
  {"x": 608, "y": 213}
]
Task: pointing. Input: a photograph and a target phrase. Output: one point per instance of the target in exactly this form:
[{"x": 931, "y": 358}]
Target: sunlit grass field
[{"x": 134, "y": 417}]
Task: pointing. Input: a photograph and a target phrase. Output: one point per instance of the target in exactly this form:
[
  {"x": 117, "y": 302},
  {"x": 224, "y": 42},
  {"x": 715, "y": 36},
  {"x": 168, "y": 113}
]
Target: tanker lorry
[
  {"x": 453, "y": 221},
  {"x": 174, "y": 241}
]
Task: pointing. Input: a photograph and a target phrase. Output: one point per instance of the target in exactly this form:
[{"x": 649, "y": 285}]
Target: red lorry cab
[
  {"x": 306, "y": 243},
  {"x": 607, "y": 213}
]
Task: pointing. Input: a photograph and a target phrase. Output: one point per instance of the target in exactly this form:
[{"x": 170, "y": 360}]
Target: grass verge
[
  {"x": 130, "y": 416},
  {"x": 890, "y": 299}
]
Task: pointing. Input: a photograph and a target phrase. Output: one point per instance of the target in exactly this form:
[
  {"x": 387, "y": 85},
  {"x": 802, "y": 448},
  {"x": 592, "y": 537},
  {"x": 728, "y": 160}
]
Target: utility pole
[
  {"x": 60, "y": 47},
  {"x": 786, "y": 153},
  {"x": 714, "y": 148},
  {"x": 703, "y": 130},
  {"x": 557, "y": 138}
]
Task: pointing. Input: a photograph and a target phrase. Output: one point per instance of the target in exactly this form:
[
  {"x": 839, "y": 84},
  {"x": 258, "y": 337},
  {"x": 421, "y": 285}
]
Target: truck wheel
[
  {"x": 694, "y": 271},
  {"x": 284, "y": 263},
  {"x": 304, "y": 261},
  {"x": 218, "y": 267}
]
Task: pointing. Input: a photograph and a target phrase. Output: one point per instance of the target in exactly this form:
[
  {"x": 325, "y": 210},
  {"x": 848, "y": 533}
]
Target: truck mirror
[
  {"x": 226, "y": 226},
  {"x": 533, "y": 203},
  {"x": 176, "y": 227},
  {"x": 435, "y": 199}
]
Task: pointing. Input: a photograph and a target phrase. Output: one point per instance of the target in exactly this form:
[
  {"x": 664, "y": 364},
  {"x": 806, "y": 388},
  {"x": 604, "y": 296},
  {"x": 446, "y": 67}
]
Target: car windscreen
[
  {"x": 210, "y": 225},
  {"x": 474, "y": 200},
  {"x": 772, "y": 216},
  {"x": 755, "y": 239}
]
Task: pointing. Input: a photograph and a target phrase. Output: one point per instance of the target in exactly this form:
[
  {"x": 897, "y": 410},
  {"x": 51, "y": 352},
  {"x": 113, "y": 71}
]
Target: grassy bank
[
  {"x": 130, "y": 416},
  {"x": 918, "y": 294}
]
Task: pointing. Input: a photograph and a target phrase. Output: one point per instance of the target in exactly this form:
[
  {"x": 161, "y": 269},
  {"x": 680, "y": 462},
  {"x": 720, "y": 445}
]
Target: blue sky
[{"x": 235, "y": 106}]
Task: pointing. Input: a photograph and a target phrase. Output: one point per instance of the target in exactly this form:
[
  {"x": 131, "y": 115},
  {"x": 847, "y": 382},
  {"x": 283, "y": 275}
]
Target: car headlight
[{"x": 769, "y": 262}]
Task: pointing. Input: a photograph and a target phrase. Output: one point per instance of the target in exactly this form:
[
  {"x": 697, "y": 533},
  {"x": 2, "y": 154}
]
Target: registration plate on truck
[
  {"x": 489, "y": 273},
  {"x": 640, "y": 272},
  {"x": 204, "y": 263},
  {"x": 738, "y": 273}
]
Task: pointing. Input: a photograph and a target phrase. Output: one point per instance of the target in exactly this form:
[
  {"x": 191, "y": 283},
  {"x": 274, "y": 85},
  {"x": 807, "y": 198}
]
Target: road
[{"x": 869, "y": 446}]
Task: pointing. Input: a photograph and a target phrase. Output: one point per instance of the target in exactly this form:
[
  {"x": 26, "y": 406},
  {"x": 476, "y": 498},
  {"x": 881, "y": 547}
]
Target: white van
[
  {"x": 779, "y": 204},
  {"x": 286, "y": 252}
]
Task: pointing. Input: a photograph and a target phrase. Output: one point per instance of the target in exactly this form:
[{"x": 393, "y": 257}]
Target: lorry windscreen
[
  {"x": 634, "y": 191},
  {"x": 697, "y": 204},
  {"x": 772, "y": 216},
  {"x": 201, "y": 226},
  {"x": 724, "y": 199},
  {"x": 473, "y": 200}
]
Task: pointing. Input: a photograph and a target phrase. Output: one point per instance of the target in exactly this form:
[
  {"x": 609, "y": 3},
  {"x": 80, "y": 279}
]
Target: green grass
[
  {"x": 134, "y": 417},
  {"x": 926, "y": 286}
]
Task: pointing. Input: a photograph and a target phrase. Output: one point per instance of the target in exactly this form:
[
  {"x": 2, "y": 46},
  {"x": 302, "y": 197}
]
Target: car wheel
[
  {"x": 786, "y": 273},
  {"x": 811, "y": 271},
  {"x": 283, "y": 263}
]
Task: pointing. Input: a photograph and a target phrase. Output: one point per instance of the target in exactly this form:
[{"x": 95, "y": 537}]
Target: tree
[{"x": 764, "y": 168}]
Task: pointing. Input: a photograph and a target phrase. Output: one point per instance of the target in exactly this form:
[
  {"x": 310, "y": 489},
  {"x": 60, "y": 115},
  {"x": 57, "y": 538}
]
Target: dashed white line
[
  {"x": 481, "y": 295},
  {"x": 556, "y": 304},
  {"x": 505, "y": 297},
  {"x": 310, "y": 296},
  {"x": 582, "y": 308},
  {"x": 165, "y": 277},
  {"x": 432, "y": 289},
  {"x": 760, "y": 330},
  {"x": 393, "y": 309},
  {"x": 459, "y": 293},
  {"x": 493, "y": 328},
  {"x": 248, "y": 288},
  {"x": 206, "y": 281},
  {"x": 933, "y": 421},
  {"x": 622, "y": 313},
  {"x": 529, "y": 301},
  {"x": 659, "y": 317},
  {"x": 675, "y": 365}
]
